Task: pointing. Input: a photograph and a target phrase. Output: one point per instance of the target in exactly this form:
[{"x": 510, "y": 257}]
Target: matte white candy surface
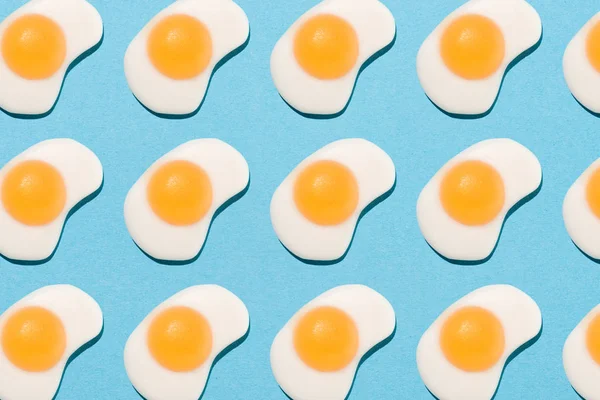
[
  {"x": 229, "y": 29},
  {"x": 229, "y": 175},
  {"x": 375, "y": 321},
  {"x": 375, "y": 175},
  {"x": 581, "y": 77},
  {"x": 582, "y": 224},
  {"x": 521, "y": 173},
  {"x": 521, "y": 319},
  {"x": 82, "y": 174},
  {"x": 375, "y": 28},
  {"x": 521, "y": 28},
  {"x": 82, "y": 321},
  {"x": 82, "y": 28},
  {"x": 229, "y": 321},
  {"x": 581, "y": 369}
]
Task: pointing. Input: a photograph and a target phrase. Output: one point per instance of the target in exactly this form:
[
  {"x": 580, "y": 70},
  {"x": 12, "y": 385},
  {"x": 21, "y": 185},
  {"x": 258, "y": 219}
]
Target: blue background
[{"x": 389, "y": 254}]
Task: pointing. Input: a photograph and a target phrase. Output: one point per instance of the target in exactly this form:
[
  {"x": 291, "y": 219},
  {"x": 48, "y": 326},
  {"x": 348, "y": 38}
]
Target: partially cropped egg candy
[
  {"x": 169, "y": 64},
  {"x": 38, "y": 335},
  {"x": 38, "y": 189},
  {"x": 170, "y": 353},
  {"x": 581, "y": 64},
  {"x": 581, "y": 356},
  {"x": 169, "y": 209},
  {"x": 38, "y": 42},
  {"x": 317, "y": 60},
  {"x": 316, "y": 208},
  {"x": 462, "y": 62},
  {"x": 581, "y": 211},
  {"x": 462, "y": 208},
  {"x": 462, "y": 354},
  {"x": 316, "y": 354}
]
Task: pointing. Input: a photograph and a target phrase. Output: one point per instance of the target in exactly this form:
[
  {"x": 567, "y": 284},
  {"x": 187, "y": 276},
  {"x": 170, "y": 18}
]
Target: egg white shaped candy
[
  {"x": 462, "y": 62},
  {"x": 169, "y": 64},
  {"x": 462, "y": 208},
  {"x": 169, "y": 209},
  {"x": 462, "y": 354},
  {"x": 38, "y": 335},
  {"x": 581, "y": 64},
  {"x": 316, "y": 208},
  {"x": 316, "y": 354},
  {"x": 581, "y": 356},
  {"x": 581, "y": 211},
  {"x": 170, "y": 353},
  {"x": 38, "y": 190},
  {"x": 38, "y": 43},
  {"x": 315, "y": 63}
]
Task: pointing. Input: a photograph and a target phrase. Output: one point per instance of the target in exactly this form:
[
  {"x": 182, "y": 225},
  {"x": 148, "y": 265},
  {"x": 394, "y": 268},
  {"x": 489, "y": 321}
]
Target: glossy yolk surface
[
  {"x": 34, "y": 193},
  {"x": 180, "y": 339},
  {"x": 592, "y": 192},
  {"x": 34, "y": 47},
  {"x": 326, "y": 339},
  {"x": 34, "y": 339},
  {"x": 180, "y": 193},
  {"x": 592, "y": 338},
  {"x": 472, "y": 193},
  {"x": 180, "y": 47},
  {"x": 472, "y": 339},
  {"x": 326, "y": 46},
  {"x": 326, "y": 192},
  {"x": 592, "y": 46},
  {"x": 472, "y": 46}
]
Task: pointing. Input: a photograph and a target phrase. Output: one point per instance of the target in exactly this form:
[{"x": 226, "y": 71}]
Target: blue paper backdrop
[{"x": 388, "y": 253}]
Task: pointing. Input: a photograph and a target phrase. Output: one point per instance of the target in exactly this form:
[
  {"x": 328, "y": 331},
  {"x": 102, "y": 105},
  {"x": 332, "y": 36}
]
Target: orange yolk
[
  {"x": 326, "y": 192},
  {"x": 592, "y": 46},
  {"x": 326, "y": 339},
  {"x": 472, "y": 193},
  {"x": 472, "y": 339},
  {"x": 34, "y": 193},
  {"x": 592, "y": 339},
  {"x": 180, "y": 193},
  {"x": 34, "y": 339},
  {"x": 34, "y": 47},
  {"x": 180, "y": 339},
  {"x": 592, "y": 192},
  {"x": 472, "y": 46},
  {"x": 180, "y": 47},
  {"x": 326, "y": 46}
]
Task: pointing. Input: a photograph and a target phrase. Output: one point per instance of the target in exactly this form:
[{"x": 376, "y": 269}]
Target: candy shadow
[
  {"x": 596, "y": 260},
  {"x": 362, "y": 214},
  {"x": 222, "y": 354},
  {"x": 369, "y": 354},
  {"x": 370, "y": 60},
  {"x": 217, "y": 213},
  {"x": 73, "y": 210},
  {"x": 75, "y": 62},
  {"x": 514, "y": 62},
  {"x": 519, "y": 350},
  {"x": 595, "y": 114},
  {"x": 577, "y": 393},
  {"x": 364, "y": 358},
  {"x": 218, "y": 65},
  {"x": 513, "y": 209},
  {"x": 75, "y": 355}
]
